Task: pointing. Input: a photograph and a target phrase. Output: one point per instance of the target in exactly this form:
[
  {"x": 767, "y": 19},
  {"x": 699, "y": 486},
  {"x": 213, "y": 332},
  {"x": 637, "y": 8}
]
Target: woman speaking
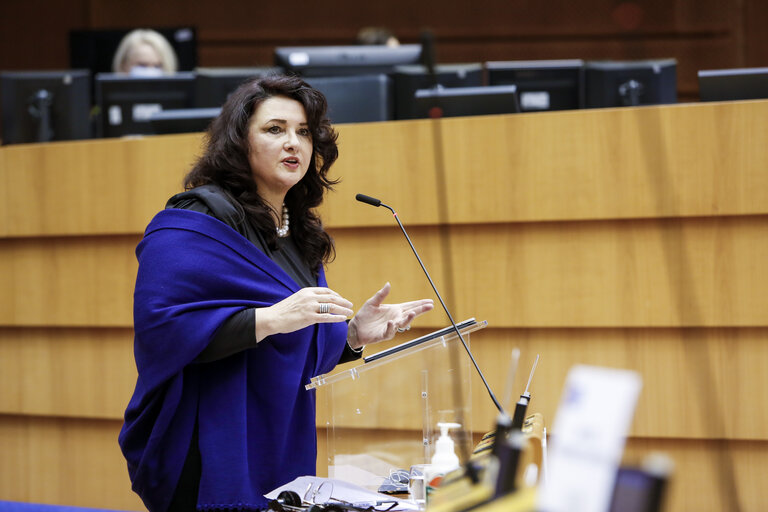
[{"x": 232, "y": 313}]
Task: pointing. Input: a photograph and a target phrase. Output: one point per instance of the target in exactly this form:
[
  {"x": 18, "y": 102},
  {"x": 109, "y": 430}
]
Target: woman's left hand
[{"x": 378, "y": 322}]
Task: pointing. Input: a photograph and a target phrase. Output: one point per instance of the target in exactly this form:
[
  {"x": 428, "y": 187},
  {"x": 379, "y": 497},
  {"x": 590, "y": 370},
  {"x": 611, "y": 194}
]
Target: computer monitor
[
  {"x": 356, "y": 99},
  {"x": 183, "y": 120},
  {"x": 406, "y": 80},
  {"x": 638, "y": 490},
  {"x": 542, "y": 84},
  {"x": 41, "y": 106},
  {"x": 94, "y": 49},
  {"x": 733, "y": 84},
  {"x": 630, "y": 83},
  {"x": 345, "y": 60},
  {"x": 126, "y": 103},
  {"x": 214, "y": 85},
  {"x": 466, "y": 101},
  {"x": 351, "y": 99}
]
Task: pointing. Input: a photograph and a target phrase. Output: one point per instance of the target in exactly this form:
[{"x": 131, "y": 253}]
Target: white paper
[
  {"x": 588, "y": 438},
  {"x": 344, "y": 492}
]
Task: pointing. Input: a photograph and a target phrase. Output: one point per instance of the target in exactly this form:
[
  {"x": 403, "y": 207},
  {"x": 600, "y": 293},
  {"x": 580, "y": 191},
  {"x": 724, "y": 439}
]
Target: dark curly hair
[{"x": 225, "y": 163}]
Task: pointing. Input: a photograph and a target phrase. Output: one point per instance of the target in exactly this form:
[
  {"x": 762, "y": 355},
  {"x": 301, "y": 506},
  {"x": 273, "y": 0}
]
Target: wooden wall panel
[
  {"x": 698, "y": 272},
  {"x": 692, "y": 160},
  {"x": 59, "y": 461},
  {"x": 710, "y": 475},
  {"x": 718, "y": 373},
  {"x": 75, "y": 373},
  {"x": 112, "y": 186},
  {"x": 697, "y": 383},
  {"x": 607, "y": 274},
  {"x": 509, "y": 179},
  {"x": 68, "y": 281},
  {"x": 3, "y": 204}
]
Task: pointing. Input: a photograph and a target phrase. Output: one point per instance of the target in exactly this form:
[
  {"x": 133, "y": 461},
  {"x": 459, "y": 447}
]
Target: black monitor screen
[
  {"x": 95, "y": 49},
  {"x": 126, "y": 103},
  {"x": 356, "y": 99},
  {"x": 345, "y": 60},
  {"x": 733, "y": 84},
  {"x": 466, "y": 101},
  {"x": 408, "y": 79},
  {"x": 542, "y": 85},
  {"x": 214, "y": 85},
  {"x": 630, "y": 83},
  {"x": 183, "y": 120},
  {"x": 637, "y": 490},
  {"x": 40, "y": 106}
]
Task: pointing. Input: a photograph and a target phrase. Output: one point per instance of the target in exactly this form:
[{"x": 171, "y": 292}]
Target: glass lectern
[{"x": 381, "y": 416}]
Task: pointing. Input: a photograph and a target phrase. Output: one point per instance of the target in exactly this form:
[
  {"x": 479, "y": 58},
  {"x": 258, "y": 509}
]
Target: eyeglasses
[
  {"x": 321, "y": 493},
  {"x": 399, "y": 476},
  {"x": 318, "y": 493}
]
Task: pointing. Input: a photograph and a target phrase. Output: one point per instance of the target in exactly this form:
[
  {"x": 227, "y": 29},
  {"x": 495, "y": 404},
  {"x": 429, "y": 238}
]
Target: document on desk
[
  {"x": 320, "y": 491},
  {"x": 589, "y": 432}
]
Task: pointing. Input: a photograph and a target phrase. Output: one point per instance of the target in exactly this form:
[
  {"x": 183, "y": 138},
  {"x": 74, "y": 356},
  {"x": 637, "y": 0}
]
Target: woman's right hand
[{"x": 300, "y": 310}]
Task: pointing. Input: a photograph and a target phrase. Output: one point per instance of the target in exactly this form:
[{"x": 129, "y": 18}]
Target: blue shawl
[{"x": 256, "y": 421}]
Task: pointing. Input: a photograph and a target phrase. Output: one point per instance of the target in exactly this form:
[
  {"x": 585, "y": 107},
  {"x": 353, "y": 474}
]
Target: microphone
[
  {"x": 377, "y": 202},
  {"x": 428, "y": 56},
  {"x": 368, "y": 200},
  {"x": 522, "y": 405},
  {"x": 428, "y": 61}
]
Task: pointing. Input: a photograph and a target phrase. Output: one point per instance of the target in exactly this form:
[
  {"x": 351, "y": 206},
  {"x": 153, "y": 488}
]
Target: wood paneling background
[
  {"x": 630, "y": 238},
  {"x": 701, "y": 34}
]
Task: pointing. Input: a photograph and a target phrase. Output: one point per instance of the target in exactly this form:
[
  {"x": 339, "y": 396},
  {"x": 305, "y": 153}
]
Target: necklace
[{"x": 282, "y": 230}]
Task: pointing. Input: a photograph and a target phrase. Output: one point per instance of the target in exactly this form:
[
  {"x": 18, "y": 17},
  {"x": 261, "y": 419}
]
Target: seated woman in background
[
  {"x": 232, "y": 313},
  {"x": 377, "y": 36},
  {"x": 144, "y": 52}
]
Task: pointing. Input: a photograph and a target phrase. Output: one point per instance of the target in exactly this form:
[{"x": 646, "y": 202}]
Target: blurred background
[{"x": 700, "y": 34}]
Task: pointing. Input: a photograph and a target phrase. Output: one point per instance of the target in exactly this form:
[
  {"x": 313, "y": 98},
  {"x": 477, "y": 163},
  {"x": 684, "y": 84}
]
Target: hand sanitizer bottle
[{"x": 445, "y": 459}]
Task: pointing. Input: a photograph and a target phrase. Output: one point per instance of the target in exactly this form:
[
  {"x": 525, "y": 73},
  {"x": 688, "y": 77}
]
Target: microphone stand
[
  {"x": 40, "y": 104},
  {"x": 470, "y": 469},
  {"x": 455, "y": 328}
]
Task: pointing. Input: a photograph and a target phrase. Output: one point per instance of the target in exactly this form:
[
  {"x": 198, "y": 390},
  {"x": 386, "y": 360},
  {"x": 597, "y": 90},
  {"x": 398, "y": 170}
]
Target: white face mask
[{"x": 145, "y": 71}]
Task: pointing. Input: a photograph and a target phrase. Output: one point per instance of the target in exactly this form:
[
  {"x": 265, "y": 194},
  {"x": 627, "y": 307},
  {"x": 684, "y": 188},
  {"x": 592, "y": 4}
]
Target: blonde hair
[{"x": 150, "y": 37}]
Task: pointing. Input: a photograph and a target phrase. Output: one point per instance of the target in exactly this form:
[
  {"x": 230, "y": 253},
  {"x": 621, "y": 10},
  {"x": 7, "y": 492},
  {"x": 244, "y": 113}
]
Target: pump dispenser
[{"x": 445, "y": 459}]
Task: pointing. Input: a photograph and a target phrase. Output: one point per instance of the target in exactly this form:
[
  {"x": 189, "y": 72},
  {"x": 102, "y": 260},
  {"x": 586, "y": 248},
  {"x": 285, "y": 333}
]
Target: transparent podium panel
[{"x": 381, "y": 416}]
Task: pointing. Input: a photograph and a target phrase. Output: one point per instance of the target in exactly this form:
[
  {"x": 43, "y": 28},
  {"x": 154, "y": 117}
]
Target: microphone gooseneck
[{"x": 377, "y": 202}]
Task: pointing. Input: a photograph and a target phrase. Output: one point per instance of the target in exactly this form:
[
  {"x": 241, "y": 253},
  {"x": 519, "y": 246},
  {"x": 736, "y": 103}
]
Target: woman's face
[
  {"x": 280, "y": 146},
  {"x": 144, "y": 56}
]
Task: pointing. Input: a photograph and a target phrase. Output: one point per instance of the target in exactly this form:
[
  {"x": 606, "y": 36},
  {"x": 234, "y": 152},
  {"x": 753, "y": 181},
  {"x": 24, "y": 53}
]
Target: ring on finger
[
  {"x": 403, "y": 329},
  {"x": 324, "y": 308}
]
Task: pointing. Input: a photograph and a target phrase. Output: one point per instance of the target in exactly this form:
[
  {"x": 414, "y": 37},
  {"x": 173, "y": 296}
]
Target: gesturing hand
[
  {"x": 306, "y": 307},
  {"x": 378, "y": 322}
]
